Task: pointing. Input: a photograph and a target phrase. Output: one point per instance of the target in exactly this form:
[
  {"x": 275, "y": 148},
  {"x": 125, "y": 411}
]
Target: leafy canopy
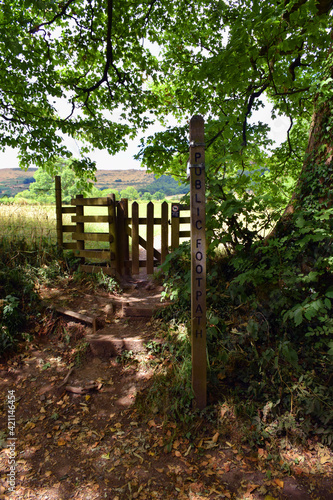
[{"x": 217, "y": 58}]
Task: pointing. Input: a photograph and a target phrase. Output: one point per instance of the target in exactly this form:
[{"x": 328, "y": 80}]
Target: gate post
[
  {"x": 112, "y": 230},
  {"x": 150, "y": 238},
  {"x": 198, "y": 261},
  {"x": 80, "y": 227},
  {"x": 135, "y": 238},
  {"x": 122, "y": 237},
  {"x": 175, "y": 214},
  {"x": 60, "y": 238},
  {"x": 164, "y": 231}
]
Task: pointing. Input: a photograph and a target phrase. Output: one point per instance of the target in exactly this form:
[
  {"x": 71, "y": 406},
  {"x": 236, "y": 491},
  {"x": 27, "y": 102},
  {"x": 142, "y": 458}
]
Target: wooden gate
[{"x": 119, "y": 223}]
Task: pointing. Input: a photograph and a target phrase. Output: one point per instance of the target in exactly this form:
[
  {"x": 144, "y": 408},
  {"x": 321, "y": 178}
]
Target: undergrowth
[
  {"x": 269, "y": 329},
  {"x": 23, "y": 266},
  {"x": 26, "y": 265}
]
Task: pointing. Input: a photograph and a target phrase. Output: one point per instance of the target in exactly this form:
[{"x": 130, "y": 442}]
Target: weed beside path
[{"x": 104, "y": 442}]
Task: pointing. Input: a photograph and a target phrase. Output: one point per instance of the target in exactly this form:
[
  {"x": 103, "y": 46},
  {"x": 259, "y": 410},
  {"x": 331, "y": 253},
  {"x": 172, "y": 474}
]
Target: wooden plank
[
  {"x": 150, "y": 238},
  {"x": 91, "y": 218},
  {"x": 184, "y": 220},
  {"x": 110, "y": 271},
  {"x": 164, "y": 231},
  {"x": 69, "y": 228},
  {"x": 143, "y": 243},
  {"x": 135, "y": 238},
  {"x": 60, "y": 239},
  {"x": 81, "y": 317},
  {"x": 184, "y": 234},
  {"x": 92, "y": 237},
  {"x": 89, "y": 202},
  {"x": 68, "y": 210},
  {"x": 69, "y": 245},
  {"x": 97, "y": 254},
  {"x": 198, "y": 261},
  {"x": 143, "y": 220}
]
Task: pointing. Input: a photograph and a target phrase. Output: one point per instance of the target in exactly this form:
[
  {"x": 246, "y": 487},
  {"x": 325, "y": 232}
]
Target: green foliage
[
  {"x": 269, "y": 325},
  {"x": 66, "y": 79},
  {"x": 72, "y": 183},
  {"x": 158, "y": 196},
  {"x": 107, "y": 191},
  {"x": 223, "y": 63},
  {"x": 171, "y": 393},
  {"x": 167, "y": 185},
  {"x": 107, "y": 282},
  {"x": 177, "y": 274},
  {"x": 20, "y": 278},
  {"x": 130, "y": 193}
]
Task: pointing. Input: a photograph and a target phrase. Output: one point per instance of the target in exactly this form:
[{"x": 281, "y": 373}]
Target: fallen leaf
[
  {"x": 279, "y": 482},
  {"x": 215, "y": 437},
  {"x": 251, "y": 487},
  {"x": 324, "y": 458},
  {"x": 61, "y": 442}
]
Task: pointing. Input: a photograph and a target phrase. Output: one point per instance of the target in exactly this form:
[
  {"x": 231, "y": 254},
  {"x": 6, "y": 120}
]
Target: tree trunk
[{"x": 314, "y": 189}]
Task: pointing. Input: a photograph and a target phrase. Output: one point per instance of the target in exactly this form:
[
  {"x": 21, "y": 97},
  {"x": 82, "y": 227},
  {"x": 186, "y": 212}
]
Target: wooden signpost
[{"x": 198, "y": 260}]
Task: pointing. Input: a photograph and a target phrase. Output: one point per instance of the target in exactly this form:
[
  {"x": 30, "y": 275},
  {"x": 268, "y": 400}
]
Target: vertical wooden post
[
  {"x": 124, "y": 202},
  {"x": 112, "y": 228},
  {"x": 80, "y": 226},
  {"x": 175, "y": 214},
  {"x": 164, "y": 231},
  {"x": 150, "y": 238},
  {"x": 60, "y": 239},
  {"x": 120, "y": 228},
  {"x": 135, "y": 238},
  {"x": 198, "y": 260}
]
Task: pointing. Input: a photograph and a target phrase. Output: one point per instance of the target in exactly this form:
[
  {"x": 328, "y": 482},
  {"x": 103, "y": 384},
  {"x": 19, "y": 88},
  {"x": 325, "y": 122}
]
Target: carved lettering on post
[{"x": 198, "y": 261}]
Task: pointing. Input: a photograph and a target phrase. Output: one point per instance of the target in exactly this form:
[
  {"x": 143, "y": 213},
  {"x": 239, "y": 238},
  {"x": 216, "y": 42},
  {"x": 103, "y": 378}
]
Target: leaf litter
[{"x": 93, "y": 443}]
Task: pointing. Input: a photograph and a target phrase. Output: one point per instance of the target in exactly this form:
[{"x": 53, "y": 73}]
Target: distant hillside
[
  {"x": 120, "y": 179},
  {"x": 15, "y": 180}
]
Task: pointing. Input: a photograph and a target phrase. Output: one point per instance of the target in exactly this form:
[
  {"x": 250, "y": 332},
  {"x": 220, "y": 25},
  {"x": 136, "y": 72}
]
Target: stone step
[{"x": 105, "y": 345}]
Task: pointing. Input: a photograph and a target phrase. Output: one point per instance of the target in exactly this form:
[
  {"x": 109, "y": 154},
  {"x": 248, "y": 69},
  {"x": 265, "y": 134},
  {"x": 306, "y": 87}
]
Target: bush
[{"x": 269, "y": 327}]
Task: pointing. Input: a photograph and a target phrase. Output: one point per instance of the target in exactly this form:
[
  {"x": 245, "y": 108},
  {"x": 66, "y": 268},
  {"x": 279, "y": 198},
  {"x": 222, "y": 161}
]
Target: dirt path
[{"x": 80, "y": 432}]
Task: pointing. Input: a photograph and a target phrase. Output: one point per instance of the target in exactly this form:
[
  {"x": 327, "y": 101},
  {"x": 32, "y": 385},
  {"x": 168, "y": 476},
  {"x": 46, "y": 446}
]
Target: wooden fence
[{"x": 119, "y": 256}]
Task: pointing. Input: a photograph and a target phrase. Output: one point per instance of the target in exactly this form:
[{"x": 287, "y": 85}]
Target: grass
[{"x": 33, "y": 223}]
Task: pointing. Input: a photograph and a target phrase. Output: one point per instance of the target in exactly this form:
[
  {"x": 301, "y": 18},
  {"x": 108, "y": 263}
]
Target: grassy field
[{"x": 32, "y": 223}]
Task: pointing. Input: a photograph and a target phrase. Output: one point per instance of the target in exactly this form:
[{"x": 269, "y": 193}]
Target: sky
[
  {"x": 121, "y": 161},
  {"x": 125, "y": 161}
]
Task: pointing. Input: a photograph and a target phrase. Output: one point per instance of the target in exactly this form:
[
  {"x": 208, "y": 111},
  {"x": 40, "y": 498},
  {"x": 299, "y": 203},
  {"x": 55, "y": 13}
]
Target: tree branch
[
  {"x": 47, "y": 23},
  {"x": 253, "y": 96}
]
